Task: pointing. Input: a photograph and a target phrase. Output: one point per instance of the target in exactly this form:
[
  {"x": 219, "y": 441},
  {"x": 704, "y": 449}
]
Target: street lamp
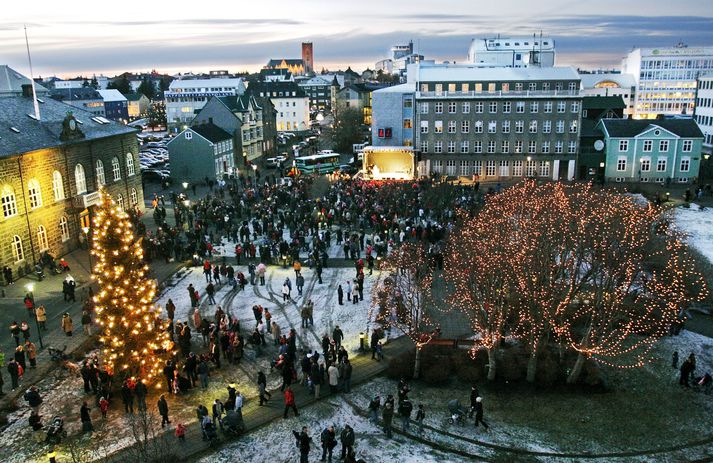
[
  {"x": 187, "y": 203},
  {"x": 29, "y": 288},
  {"x": 89, "y": 250}
]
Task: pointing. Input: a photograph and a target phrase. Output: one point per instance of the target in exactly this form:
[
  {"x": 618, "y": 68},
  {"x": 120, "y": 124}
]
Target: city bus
[{"x": 318, "y": 163}]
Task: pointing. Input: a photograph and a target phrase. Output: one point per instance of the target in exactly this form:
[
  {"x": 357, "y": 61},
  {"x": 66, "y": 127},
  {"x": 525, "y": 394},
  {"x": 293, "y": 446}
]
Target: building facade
[
  {"x": 516, "y": 52},
  {"x": 399, "y": 59},
  {"x": 200, "y": 152},
  {"x": 290, "y": 101},
  {"x": 393, "y": 116},
  {"x": 185, "y": 97},
  {"x": 661, "y": 151},
  {"x": 51, "y": 168},
  {"x": 319, "y": 91},
  {"x": 358, "y": 96},
  {"x": 496, "y": 124},
  {"x": 116, "y": 107},
  {"x": 592, "y": 157},
  {"x": 611, "y": 84},
  {"x": 137, "y": 105},
  {"x": 85, "y": 98},
  {"x": 666, "y": 78},
  {"x": 704, "y": 111},
  {"x": 294, "y": 66},
  {"x": 308, "y": 57}
]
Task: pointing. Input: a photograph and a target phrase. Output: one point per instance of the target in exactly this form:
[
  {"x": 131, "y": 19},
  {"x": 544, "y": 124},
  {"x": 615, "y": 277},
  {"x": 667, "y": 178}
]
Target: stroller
[
  {"x": 233, "y": 423},
  {"x": 57, "y": 354},
  {"x": 55, "y": 430},
  {"x": 457, "y": 411},
  {"x": 211, "y": 434}
]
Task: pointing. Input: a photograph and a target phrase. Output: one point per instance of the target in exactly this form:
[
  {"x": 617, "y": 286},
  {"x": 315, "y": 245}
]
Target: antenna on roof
[{"x": 32, "y": 78}]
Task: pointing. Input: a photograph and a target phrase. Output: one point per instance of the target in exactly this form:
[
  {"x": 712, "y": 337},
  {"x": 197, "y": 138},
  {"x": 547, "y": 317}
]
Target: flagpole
[{"x": 32, "y": 78}]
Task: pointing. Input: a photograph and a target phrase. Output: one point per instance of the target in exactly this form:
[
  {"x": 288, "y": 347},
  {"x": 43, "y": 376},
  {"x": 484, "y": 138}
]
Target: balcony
[{"x": 499, "y": 94}]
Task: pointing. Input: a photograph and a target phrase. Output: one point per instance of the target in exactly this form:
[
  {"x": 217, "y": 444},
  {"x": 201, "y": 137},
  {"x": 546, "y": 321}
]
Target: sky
[{"x": 84, "y": 38}]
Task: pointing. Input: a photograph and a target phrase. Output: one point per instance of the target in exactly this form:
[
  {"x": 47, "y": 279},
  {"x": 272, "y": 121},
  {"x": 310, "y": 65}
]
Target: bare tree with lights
[
  {"x": 403, "y": 293},
  {"x": 135, "y": 341}
]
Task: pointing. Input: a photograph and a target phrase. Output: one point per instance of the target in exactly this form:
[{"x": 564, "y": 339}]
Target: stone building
[{"x": 51, "y": 167}]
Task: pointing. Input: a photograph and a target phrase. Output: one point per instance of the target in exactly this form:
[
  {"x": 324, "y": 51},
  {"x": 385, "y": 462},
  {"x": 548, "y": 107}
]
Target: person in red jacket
[{"x": 290, "y": 401}]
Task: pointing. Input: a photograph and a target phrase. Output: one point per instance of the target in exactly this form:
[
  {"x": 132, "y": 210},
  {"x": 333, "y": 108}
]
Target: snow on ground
[{"x": 697, "y": 223}]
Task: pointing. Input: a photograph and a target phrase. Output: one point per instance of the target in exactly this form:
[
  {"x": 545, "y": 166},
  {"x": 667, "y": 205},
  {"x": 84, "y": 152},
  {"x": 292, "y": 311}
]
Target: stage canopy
[{"x": 389, "y": 162}]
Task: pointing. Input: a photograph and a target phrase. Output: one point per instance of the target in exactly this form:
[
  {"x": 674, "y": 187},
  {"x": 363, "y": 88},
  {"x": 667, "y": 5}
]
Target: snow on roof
[
  {"x": 111, "y": 95},
  {"x": 465, "y": 72},
  {"x": 622, "y": 80},
  {"x": 401, "y": 88},
  {"x": 203, "y": 83}
]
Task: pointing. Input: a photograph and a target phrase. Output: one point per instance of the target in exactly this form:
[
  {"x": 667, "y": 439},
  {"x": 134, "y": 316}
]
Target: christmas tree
[{"x": 135, "y": 340}]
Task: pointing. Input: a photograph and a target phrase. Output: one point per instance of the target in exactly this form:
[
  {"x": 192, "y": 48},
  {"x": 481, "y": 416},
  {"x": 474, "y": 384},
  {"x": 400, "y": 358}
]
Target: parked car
[{"x": 152, "y": 175}]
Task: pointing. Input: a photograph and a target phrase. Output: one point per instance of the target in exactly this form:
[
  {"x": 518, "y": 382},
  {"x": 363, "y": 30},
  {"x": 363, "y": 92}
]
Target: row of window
[
  {"x": 491, "y": 147},
  {"x": 504, "y": 87},
  {"x": 34, "y": 192},
  {"x": 504, "y": 168},
  {"x": 648, "y": 146},
  {"x": 704, "y": 103},
  {"x": 478, "y": 126},
  {"x": 704, "y": 120},
  {"x": 506, "y": 107},
  {"x": 645, "y": 164}
]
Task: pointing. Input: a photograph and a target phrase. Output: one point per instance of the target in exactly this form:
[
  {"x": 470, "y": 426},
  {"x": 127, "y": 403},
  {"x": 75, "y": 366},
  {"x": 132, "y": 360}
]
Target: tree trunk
[
  {"x": 492, "y": 363},
  {"x": 417, "y": 364},
  {"x": 576, "y": 369},
  {"x": 532, "y": 364}
]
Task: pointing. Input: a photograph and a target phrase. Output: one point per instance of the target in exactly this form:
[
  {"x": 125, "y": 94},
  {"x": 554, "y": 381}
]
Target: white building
[
  {"x": 704, "y": 111},
  {"x": 611, "y": 84},
  {"x": 290, "y": 101},
  {"x": 516, "y": 52},
  {"x": 401, "y": 57},
  {"x": 666, "y": 78},
  {"x": 184, "y": 98}
]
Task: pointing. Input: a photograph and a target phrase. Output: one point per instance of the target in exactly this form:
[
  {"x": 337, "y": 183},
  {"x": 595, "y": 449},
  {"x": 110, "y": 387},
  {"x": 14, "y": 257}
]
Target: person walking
[
  {"x": 285, "y": 292},
  {"x": 87, "y": 322},
  {"x": 347, "y": 377},
  {"x": 333, "y": 375},
  {"x": 347, "y": 440},
  {"x": 66, "y": 324},
  {"x": 203, "y": 370},
  {"x": 13, "y": 368},
  {"x": 86, "y": 418},
  {"x": 340, "y": 295},
  {"x": 388, "y": 416},
  {"x": 337, "y": 336},
  {"x": 374, "y": 406},
  {"x": 163, "y": 410},
  {"x": 479, "y": 413},
  {"x": 290, "y": 402},
  {"x": 300, "y": 283},
  {"x": 140, "y": 392},
  {"x": 210, "y": 291},
  {"x": 303, "y": 443},
  {"x": 329, "y": 441},
  {"x": 41, "y": 314},
  {"x": 405, "y": 409},
  {"x": 33, "y": 398},
  {"x": 316, "y": 378},
  {"x": 103, "y": 407},
  {"x": 218, "y": 410},
  {"x": 127, "y": 397},
  {"x": 420, "y": 415},
  {"x": 31, "y": 352},
  {"x": 15, "y": 332},
  {"x": 262, "y": 388}
]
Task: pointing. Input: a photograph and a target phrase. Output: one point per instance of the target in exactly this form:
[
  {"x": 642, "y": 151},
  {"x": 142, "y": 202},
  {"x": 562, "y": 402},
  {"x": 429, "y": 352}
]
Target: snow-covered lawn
[{"x": 698, "y": 225}]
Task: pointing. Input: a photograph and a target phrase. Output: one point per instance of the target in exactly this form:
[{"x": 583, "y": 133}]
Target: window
[
  {"x": 452, "y": 107},
  {"x": 34, "y": 193},
  {"x": 533, "y": 126},
  {"x": 492, "y": 127},
  {"x": 520, "y": 107},
  {"x": 451, "y": 126},
  {"x": 504, "y": 87},
  {"x": 451, "y": 147},
  {"x": 120, "y": 201},
  {"x": 438, "y": 147},
  {"x": 506, "y": 126},
  {"x": 532, "y": 147},
  {"x": 477, "y": 168},
  {"x": 518, "y": 86},
  {"x": 465, "y": 126},
  {"x": 560, "y": 127},
  {"x": 80, "y": 179},
  {"x": 648, "y": 146},
  {"x": 115, "y": 168},
  {"x": 478, "y": 127},
  {"x": 545, "y": 85},
  {"x": 478, "y": 87},
  {"x": 438, "y": 126},
  {"x": 9, "y": 205},
  {"x": 623, "y": 145},
  {"x": 408, "y": 102},
  {"x": 663, "y": 146},
  {"x": 507, "y": 105},
  {"x": 544, "y": 168},
  {"x": 477, "y": 146},
  {"x": 573, "y": 126},
  {"x": 130, "y": 169},
  {"x": 518, "y": 146},
  {"x": 424, "y": 107},
  {"x": 561, "y": 106},
  {"x": 437, "y": 166},
  {"x": 464, "y": 168},
  {"x": 685, "y": 164},
  {"x": 64, "y": 228},
  {"x": 546, "y": 126},
  {"x": 687, "y": 146},
  {"x": 505, "y": 146},
  {"x": 534, "y": 106},
  {"x": 545, "y": 147},
  {"x": 465, "y": 88},
  {"x": 188, "y": 135},
  {"x": 661, "y": 165},
  {"x": 424, "y": 147},
  {"x": 100, "y": 173},
  {"x": 42, "y": 238},
  {"x": 465, "y": 107},
  {"x": 493, "y": 107},
  {"x": 504, "y": 168},
  {"x": 57, "y": 186},
  {"x": 464, "y": 146},
  {"x": 439, "y": 89},
  {"x": 134, "y": 197},
  {"x": 548, "y": 107},
  {"x": 572, "y": 147},
  {"x": 558, "y": 147},
  {"x": 532, "y": 86},
  {"x": 490, "y": 169},
  {"x": 424, "y": 126},
  {"x": 517, "y": 168},
  {"x": 519, "y": 126},
  {"x": 621, "y": 164},
  {"x": 491, "y": 146},
  {"x": 531, "y": 168},
  {"x": 439, "y": 108},
  {"x": 645, "y": 164},
  {"x": 479, "y": 107},
  {"x": 575, "y": 107},
  {"x": 17, "y": 251}
]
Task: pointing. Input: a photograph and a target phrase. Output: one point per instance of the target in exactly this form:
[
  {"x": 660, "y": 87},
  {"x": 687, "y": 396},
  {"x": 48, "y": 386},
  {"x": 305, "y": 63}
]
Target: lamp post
[
  {"x": 255, "y": 172},
  {"x": 89, "y": 247},
  {"x": 29, "y": 288},
  {"x": 185, "y": 188}
]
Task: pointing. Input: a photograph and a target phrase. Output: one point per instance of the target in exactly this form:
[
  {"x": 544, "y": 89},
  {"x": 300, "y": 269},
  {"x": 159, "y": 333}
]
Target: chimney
[{"x": 27, "y": 90}]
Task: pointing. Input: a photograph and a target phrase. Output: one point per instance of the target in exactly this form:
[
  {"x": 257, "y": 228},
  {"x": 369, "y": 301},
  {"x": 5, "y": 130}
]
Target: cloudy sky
[{"x": 82, "y": 37}]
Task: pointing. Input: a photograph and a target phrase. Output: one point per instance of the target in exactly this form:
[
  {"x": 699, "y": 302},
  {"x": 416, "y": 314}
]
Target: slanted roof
[
  {"x": 211, "y": 132},
  {"x": 618, "y": 79},
  {"x": 68, "y": 94},
  {"x": 290, "y": 62},
  {"x": 471, "y": 72},
  {"x": 280, "y": 86},
  {"x": 33, "y": 135},
  {"x": 239, "y": 103},
  {"x": 111, "y": 95},
  {"x": 135, "y": 96},
  {"x": 11, "y": 82},
  {"x": 603, "y": 102},
  {"x": 627, "y": 128}
]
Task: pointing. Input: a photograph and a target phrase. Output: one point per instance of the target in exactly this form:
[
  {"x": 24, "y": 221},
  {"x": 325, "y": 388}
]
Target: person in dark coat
[
  {"x": 163, "y": 410},
  {"x": 262, "y": 387},
  {"x": 340, "y": 295},
  {"x": 329, "y": 441},
  {"x": 127, "y": 397},
  {"x": 140, "y": 392},
  {"x": 303, "y": 443},
  {"x": 337, "y": 336},
  {"x": 405, "y": 409},
  {"x": 479, "y": 413},
  {"x": 170, "y": 309},
  {"x": 473, "y": 396},
  {"x": 14, "y": 369},
  {"x": 347, "y": 440},
  {"x": 686, "y": 370},
  {"x": 86, "y": 418},
  {"x": 374, "y": 342},
  {"x": 388, "y": 416},
  {"x": 168, "y": 374}
]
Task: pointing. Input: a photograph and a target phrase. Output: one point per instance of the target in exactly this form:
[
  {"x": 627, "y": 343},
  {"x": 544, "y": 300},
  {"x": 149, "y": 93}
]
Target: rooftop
[
  {"x": 11, "y": 82},
  {"x": 232, "y": 82},
  {"x": 603, "y": 102},
  {"x": 596, "y": 80},
  {"x": 111, "y": 95},
  {"x": 401, "y": 88},
  {"x": 625, "y": 128},
  {"x": 211, "y": 132},
  {"x": 470, "y": 72}
]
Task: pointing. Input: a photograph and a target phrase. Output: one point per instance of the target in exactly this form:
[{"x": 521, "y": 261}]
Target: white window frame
[
  {"x": 621, "y": 163},
  {"x": 42, "y": 241},
  {"x": 623, "y": 146},
  {"x": 116, "y": 168},
  {"x": 465, "y": 127},
  {"x": 34, "y": 193},
  {"x": 685, "y": 165},
  {"x": 99, "y": 170},
  {"x": 17, "y": 251},
  {"x": 648, "y": 146},
  {"x": 9, "y": 202},
  {"x": 687, "y": 146}
]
